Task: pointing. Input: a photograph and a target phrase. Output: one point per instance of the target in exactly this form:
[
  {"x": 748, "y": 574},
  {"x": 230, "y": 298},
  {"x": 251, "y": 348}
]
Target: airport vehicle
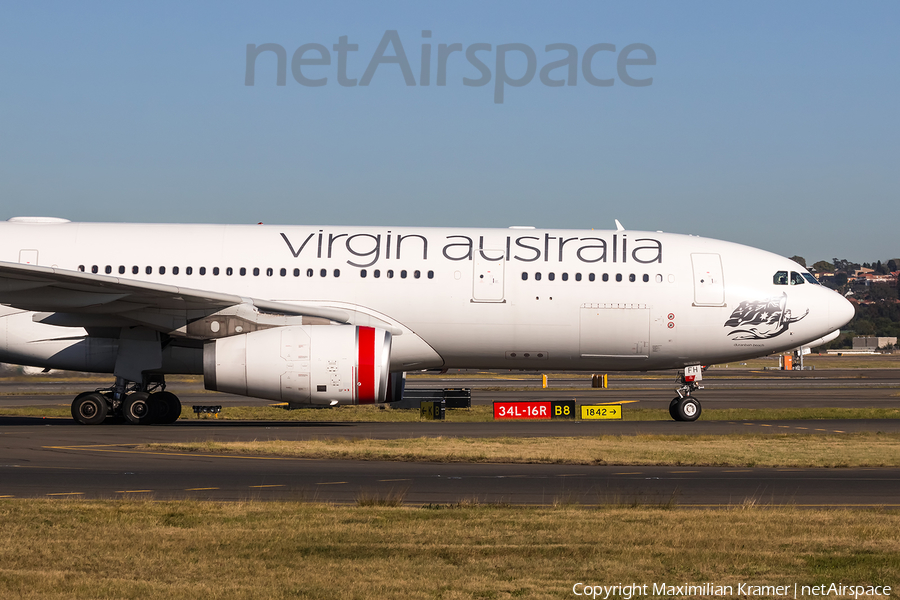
[{"x": 336, "y": 315}]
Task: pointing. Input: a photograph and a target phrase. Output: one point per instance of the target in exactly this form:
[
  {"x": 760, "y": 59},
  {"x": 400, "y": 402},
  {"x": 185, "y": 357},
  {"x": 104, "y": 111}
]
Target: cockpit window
[
  {"x": 796, "y": 278},
  {"x": 781, "y": 278},
  {"x": 811, "y": 279}
]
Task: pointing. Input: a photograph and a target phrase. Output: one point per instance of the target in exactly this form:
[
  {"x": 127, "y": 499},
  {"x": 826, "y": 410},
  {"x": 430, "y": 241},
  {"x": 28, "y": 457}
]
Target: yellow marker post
[
  {"x": 599, "y": 381},
  {"x": 544, "y": 380},
  {"x": 601, "y": 411}
]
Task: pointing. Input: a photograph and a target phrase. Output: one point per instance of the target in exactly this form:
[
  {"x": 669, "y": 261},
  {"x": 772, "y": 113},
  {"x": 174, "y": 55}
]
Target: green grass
[{"x": 54, "y": 550}]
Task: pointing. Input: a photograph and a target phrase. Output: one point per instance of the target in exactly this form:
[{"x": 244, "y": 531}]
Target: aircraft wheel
[
  {"x": 166, "y": 407},
  {"x": 89, "y": 408},
  {"x": 673, "y": 409},
  {"x": 688, "y": 409},
  {"x": 136, "y": 409}
]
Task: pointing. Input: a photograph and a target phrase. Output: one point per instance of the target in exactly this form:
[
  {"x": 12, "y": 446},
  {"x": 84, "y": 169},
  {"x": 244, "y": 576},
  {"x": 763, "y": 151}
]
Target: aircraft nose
[{"x": 840, "y": 310}]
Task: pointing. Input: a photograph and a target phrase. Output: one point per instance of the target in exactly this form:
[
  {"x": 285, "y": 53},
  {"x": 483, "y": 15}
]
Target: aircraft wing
[{"x": 79, "y": 299}]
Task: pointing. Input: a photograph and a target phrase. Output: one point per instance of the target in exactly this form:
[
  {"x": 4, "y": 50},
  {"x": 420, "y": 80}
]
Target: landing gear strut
[
  {"x": 140, "y": 404},
  {"x": 686, "y": 407}
]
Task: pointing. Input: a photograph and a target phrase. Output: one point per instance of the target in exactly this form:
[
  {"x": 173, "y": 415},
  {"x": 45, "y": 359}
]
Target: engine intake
[{"x": 302, "y": 364}]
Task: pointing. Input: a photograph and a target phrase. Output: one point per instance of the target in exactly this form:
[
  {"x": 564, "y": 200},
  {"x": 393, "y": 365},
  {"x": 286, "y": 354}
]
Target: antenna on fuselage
[{"x": 619, "y": 226}]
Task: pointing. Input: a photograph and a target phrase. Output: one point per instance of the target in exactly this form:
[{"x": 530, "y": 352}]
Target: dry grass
[
  {"x": 740, "y": 450},
  {"x": 122, "y": 549}
]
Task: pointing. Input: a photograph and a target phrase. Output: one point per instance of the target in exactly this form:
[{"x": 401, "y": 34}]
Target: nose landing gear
[
  {"x": 140, "y": 404},
  {"x": 686, "y": 407}
]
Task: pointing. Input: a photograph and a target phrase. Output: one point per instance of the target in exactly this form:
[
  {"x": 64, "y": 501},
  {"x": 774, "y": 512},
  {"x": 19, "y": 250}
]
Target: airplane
[{"x": 333, "y": 315}]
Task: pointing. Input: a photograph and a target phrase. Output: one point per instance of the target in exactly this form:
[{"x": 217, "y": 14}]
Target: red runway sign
[{"x": 535, "y": 410}]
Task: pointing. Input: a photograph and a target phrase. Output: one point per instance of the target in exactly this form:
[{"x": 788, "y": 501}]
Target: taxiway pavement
[{"x": 57, "y": 458}]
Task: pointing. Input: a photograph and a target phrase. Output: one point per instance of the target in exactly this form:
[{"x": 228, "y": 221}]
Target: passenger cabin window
[
  {"x": 781, "y": 278},
  {"x": 796, "y": 278}
]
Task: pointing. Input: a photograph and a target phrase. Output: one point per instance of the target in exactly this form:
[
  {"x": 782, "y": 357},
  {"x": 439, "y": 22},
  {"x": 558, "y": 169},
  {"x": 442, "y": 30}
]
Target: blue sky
[{"x": 767, "y": 123}]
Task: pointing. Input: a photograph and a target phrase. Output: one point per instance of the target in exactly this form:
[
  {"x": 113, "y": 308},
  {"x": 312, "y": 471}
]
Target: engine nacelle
[{"x": 302, "y": 364}]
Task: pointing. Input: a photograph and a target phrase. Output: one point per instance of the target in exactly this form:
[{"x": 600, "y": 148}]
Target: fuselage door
[
  {"x": 709, "y": 282},
  {"x": 487, "y": 285},
  {"x": 615, "y": 330}
]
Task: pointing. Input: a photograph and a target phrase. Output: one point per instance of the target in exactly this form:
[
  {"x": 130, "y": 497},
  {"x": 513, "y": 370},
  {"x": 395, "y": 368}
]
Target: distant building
[
  {"x": 872, "y": 343},
  {"x": 870, "y": 278}
]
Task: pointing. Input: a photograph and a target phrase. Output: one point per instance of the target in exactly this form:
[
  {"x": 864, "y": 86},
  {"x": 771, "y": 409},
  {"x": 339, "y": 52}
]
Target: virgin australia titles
[
  {"x": 560, "y": 72},
  {"x": 365, "y": 249}
]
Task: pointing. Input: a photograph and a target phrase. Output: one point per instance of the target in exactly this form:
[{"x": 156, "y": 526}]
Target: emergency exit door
[{"x": 487, "y": 283}]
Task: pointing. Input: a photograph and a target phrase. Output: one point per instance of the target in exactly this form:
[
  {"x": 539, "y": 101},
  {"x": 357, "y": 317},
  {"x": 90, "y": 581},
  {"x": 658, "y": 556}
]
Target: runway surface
[{"x": 56, "y": 458}]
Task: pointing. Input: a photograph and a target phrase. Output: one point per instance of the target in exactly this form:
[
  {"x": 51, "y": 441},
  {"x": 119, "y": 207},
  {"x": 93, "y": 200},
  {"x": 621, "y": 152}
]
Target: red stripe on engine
[{"x": 366, "y": 362}]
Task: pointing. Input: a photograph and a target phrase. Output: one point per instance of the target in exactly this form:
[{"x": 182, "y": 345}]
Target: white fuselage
[{"x": 480, "y": 298}]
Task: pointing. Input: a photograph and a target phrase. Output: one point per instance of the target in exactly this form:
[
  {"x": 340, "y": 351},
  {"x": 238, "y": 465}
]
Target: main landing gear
[
  {"x": 685, "y": 407},
  {"x": 146, "y": 403}
]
